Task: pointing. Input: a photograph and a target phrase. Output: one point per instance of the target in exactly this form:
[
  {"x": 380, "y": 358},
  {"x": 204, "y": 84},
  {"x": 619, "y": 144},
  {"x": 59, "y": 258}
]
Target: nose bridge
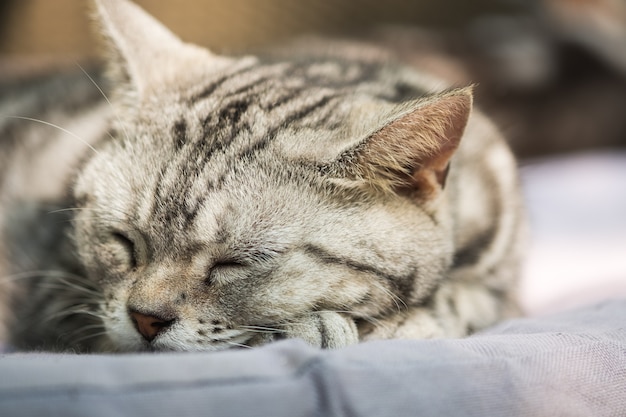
[{"x": 160, "y": 287}]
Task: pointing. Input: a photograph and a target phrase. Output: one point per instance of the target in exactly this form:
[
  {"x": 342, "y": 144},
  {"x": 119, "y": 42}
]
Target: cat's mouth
[
  {"x": 177, "y": 336},
  {"x": 166, "y": 344},
  {"x": 178, "y": 341}
]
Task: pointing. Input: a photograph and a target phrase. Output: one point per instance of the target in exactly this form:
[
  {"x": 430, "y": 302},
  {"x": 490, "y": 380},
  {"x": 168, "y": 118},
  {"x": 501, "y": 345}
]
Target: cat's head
[{"x": 238, "y": 195}]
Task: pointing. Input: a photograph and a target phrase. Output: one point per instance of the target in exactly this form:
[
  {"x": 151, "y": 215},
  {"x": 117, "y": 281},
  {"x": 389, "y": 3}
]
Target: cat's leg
[{"x": 455, "y": 310}]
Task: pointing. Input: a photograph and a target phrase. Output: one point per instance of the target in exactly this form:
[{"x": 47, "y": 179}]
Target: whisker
[
  {"x": 400, "y": 304},
  {"x": 260, "y": 328},
  {"x": 74, "y": 135},
  {"x": 110, "y": 219},
  {"x": 239, "y": 345},
  {"x": 40, "y": 273},
  {"x": 22, "y": 275},
  {"x": 70, "y": 312},
  {"x": 83, "y": 329},
  {"x": 89, "y": 290},
  {"x": 89, "y": 336},
  {"x": 334, "y": 311},
  {"x": 95, "y": 209},
  {"x": 377, "y": 322},
  {"x": 61, "y": 284},
  {"x": 119, "y": 120},
  {"x": 83, "y": 299}
]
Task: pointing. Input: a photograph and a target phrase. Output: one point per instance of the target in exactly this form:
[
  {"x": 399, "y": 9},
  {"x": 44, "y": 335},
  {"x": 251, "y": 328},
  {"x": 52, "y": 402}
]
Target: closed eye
[
  {"x": 222, "y": 270},
  {"x": 228, "y": 264},
  {"x": 129, "y": 247}
]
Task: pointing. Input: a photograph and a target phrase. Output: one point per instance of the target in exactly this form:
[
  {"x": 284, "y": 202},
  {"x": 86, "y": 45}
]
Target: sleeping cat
[{"x": 216, "y": 202}]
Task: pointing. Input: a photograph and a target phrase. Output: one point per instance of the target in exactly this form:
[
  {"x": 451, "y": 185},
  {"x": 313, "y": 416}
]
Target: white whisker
[
  {"x": 400, "y": 304},
  {"x": 84, "y": 329},
  {"x": 119, "y": 120},
  {"x": 261, "y": 329},
  {"x": 41, "y": 273},
  {"x": 85, "y": 209},
  {"x": 65, "y": 313},
  {"x": 89, "y": 336},
  {"x": 238, "y": 345},
  {"x": 74, "y": 135}
]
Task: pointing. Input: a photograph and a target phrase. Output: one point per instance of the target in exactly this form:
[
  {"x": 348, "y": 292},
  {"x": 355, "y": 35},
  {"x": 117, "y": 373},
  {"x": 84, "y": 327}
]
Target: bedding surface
[{"x": 573, "y": 364}]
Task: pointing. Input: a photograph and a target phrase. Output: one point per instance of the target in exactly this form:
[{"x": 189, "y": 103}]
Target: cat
[{"x": 217, "y": 202}]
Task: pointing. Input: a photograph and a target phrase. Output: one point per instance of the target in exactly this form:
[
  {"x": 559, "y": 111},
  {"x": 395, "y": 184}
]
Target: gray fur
[{"x": 236, "y": 201}]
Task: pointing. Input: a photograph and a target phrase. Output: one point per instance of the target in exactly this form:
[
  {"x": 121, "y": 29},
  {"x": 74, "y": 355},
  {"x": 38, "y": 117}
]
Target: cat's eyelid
[
  {"x": 129, "y": 244},
  {"x": 228, "y": 263},
  {"x": 269, "y": 253},
  {"x": 135, "y": 243},
  {"x": 247, "y": 257}
]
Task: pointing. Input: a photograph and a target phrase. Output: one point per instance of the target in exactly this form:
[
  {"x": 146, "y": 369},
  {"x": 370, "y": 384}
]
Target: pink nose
[{"x": 149, "y": 326}]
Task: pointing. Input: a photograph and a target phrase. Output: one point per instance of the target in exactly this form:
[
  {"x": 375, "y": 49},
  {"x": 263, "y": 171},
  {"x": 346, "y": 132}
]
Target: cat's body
[{"x": 234, "y": 201}]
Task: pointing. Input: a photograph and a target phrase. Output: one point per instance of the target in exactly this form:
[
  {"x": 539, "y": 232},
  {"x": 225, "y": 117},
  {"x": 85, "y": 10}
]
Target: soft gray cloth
[{"x": 571, "y": 364}]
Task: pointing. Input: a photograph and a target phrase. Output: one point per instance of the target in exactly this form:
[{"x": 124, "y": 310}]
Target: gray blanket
[{"x": 571, "y": 364}]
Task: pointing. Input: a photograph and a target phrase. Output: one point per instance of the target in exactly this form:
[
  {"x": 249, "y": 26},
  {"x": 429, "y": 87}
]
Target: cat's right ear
[
  {"x": 144, "y": 56},
  {"x": 410, "y": 152}
]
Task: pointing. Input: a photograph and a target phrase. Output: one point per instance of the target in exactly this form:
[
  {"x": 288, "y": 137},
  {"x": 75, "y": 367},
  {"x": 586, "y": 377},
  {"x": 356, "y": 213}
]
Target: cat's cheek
[
  {"x": 117, "y": 323},
  {"x": 106, "y": 263}
]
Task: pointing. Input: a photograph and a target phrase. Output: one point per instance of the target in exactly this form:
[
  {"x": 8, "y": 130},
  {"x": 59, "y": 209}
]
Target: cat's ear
[
  {"x": 411, "y": 151},
  {"x": 144, "y": 53}
]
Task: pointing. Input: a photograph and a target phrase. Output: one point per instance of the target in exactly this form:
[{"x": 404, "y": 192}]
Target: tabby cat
[{"x": 216, "y": 202}]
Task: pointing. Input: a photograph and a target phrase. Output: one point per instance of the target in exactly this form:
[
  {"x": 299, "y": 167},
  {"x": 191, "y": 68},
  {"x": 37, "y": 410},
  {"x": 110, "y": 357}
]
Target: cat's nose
[{"x": 149, "y": 325}]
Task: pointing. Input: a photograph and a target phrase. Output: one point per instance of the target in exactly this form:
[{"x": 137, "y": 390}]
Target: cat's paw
[
  {"x": 323, "y": 329},
  {"x": 414, "y": 323}
]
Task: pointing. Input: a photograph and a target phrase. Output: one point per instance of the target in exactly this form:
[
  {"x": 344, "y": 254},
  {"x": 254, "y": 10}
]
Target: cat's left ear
[
  {"x": 411, "y": 152},
  {"x": 144, "y": 56}
]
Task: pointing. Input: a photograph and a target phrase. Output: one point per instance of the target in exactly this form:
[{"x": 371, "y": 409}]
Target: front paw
[
  {"x": 414, "y": 323},
  {"x": 325, "y": 329}
]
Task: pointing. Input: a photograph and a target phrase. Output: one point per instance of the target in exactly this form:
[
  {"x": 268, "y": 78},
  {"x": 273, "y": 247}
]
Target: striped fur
[{"x": 220, "y": 202}]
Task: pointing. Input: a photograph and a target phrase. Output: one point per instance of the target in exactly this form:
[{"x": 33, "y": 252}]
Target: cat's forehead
[
  {"x": 253, "y": 76},
  {"x": 248, "y": 209}
]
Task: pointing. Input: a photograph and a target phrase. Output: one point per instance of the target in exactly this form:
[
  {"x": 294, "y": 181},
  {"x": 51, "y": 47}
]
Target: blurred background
[{"x": 551, "y": 72}]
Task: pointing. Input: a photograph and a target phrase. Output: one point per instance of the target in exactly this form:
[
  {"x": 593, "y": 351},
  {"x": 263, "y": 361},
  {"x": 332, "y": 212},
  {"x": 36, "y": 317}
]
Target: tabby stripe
[
  {"x": 209, "y": 89},
  {"x": 253, "y": 149},
  {"x": 321, "y": 326},
  {"x": 247, "y": 87},
  {"x": 290, "y": 95},
  {"x": 233, "y": 114},
  {"x": 329, "y": 258},
  {"x": 471, "y": 253},
  {"x": 230, "y": 114},
  {"x": 179, "y": 132},
  {"x": 158, "y": 188},
  {"x": 271, "y": 135},
  {"x": 192, "y": 213},
  {"x": 404, "y": 92},
  {"x": 401, "y": 284},
  {"x": 305, "y": 111}
]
